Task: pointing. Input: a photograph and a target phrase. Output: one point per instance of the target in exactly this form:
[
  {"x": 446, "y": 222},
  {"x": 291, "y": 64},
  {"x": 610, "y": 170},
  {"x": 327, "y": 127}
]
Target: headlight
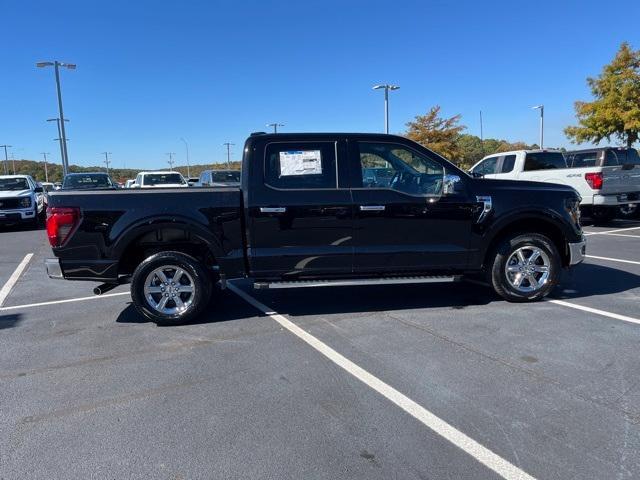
[{"x": 25, "y": 202}]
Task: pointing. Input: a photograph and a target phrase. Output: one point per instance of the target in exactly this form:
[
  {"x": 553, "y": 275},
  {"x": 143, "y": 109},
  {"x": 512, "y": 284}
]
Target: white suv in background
[
  {"x": 603, "y": 187},
  {"x": 160, "y": 180},
  {"x": 21, "y": 199}
]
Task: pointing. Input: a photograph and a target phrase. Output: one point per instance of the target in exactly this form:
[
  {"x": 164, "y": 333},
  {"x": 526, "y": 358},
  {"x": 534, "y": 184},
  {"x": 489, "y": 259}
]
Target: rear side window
[
  {"x": 508, "y": 162},
  {"x": 544, "y": 161},
  {"x": 632, "y": 157},
  {"x": 614, "y": 158},
  {"x": 487, "y": 166},
  {"x": 582, "y": 160},
  {"x": 301, "y": 165}
]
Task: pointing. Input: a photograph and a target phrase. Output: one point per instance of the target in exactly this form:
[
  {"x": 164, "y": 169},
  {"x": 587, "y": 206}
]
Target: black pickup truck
[{"x": 318, "y": 210}]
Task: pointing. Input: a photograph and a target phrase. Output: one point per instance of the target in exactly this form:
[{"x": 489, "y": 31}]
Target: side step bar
[{"x": 357, "y": 281}]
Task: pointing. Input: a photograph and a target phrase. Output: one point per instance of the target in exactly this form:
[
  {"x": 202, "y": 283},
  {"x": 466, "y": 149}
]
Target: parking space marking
[
  {"x": 6, "y": 289},
  {"x": 609, "y": 259},
  {"x": 613, "y": 231},
  {"x": 621, "y": 235},
  {"x": 69, "y": 300},
  {"x": 481, "y": 453},
  {"x": 604, "y": 313}
]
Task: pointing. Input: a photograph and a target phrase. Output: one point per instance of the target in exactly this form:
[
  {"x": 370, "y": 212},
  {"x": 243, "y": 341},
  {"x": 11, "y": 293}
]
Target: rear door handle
[
  {"x": 273, "y": 209},
  {"x": 371, "y": 208}
]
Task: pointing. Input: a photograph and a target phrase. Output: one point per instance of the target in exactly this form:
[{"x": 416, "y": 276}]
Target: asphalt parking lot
[{"x": 416, "y": 382}]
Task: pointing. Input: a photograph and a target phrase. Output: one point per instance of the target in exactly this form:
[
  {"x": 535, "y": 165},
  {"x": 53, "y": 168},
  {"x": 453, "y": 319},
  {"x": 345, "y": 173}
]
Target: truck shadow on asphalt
[
  {"x": 588, "y": 279},
  {"x": 9, "y": 321},
  {"x": 585, "y": 280},
  {"x": 223, "y": 307}
]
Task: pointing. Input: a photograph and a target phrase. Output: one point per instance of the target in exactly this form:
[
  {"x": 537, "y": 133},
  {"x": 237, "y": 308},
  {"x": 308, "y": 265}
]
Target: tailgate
[{"x": 620, "y": 179}]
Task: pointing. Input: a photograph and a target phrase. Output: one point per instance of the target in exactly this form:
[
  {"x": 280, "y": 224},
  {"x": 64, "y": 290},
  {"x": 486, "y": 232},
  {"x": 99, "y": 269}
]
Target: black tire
[
  {"x": 500, "y": 279},
  {"x": 629, "y": 211},
  {"x": 603, "y": 215},
  {"x": 197, "y": 275}
]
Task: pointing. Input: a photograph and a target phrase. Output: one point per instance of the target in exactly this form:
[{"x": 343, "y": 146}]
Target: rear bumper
[
  {"x": 616, "y": 199},
  {"x": 53, "y": 268},
  {"x": 577, "y": 252}
]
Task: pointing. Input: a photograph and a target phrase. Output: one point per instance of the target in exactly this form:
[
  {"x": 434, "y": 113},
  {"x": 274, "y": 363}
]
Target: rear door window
[
  {"x": 613, "y": 158},
  {"x": 508, "y": 162},
  {"x": 632, "y": 157},
  {"x": 544, "y": 161},
  {"x": 301, "y": 165},
  {"x": 583, "y": 160},
  {"x": 487, "y": 167}
]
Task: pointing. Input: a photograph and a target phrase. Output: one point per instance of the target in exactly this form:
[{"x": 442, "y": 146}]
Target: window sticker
[{"x": 300, "y": 162}]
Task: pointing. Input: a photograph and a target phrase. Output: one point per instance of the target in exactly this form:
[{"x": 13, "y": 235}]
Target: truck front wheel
[
  {"x": 170, "y": 288},
  {"x": 524, "y": 268}
]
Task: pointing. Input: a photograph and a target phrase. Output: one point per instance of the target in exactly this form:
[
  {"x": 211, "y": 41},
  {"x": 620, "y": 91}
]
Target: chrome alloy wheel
[
  {"x": 528, "y": 269},
  {"x": 169, "y": 290}
]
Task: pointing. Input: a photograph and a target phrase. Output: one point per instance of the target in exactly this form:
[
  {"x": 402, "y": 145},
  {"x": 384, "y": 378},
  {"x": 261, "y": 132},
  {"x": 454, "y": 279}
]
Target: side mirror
[
  {"x": 449, "y": 183},
  {"x": 38, "y": 190}
]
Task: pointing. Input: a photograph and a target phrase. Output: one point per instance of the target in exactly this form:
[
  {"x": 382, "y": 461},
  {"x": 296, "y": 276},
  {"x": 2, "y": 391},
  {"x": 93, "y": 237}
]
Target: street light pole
[
  {"x": 541, "y": 108},
  {"x": 46, "y": 171},
  {"x": 107, "y": 162},
  {"x": 186, "y": 145},
  {"x": 65, "y": 169},
  {"x": 6, "y": 159},
  {"x": 386, "y": 88},
  {"x": 275, "y": 126},
  {"x": 63, "y": 136},
  {"x": 170, "y": 161},
  {"x": 228, "y": 145}
]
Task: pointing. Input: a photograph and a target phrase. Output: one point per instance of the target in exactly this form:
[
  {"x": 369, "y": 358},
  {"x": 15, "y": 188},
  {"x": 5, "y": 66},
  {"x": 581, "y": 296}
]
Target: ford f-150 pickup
[{"x": 318, "y": 210}]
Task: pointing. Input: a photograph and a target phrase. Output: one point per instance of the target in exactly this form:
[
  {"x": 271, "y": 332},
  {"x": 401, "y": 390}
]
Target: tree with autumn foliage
[
  {"x": 615, "y": 110},
  {"x": 437, "y": 133}
]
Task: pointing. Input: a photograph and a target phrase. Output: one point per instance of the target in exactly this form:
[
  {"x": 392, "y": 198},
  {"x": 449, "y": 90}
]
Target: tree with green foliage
[
  {"x": 615, "y": 110},
  {"x": 437, "y": 133}
]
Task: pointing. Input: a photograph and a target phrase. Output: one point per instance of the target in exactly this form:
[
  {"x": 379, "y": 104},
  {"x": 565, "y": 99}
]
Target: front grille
[{"x": 9, "y": 203}]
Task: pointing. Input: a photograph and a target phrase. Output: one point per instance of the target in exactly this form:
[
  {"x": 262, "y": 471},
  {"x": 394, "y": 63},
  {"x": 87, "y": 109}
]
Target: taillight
[
  {"x": 594, "y": 179},
  {"x": 61, "y": 222}
]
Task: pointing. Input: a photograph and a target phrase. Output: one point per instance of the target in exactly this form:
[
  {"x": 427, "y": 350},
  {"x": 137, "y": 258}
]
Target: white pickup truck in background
[{"x": 605, "y": 178}]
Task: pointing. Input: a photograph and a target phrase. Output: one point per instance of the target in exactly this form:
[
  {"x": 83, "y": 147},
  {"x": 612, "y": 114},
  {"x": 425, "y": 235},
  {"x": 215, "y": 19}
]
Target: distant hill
[{"x": 36, "y": 170}]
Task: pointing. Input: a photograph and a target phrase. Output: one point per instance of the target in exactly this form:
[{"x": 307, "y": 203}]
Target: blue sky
[{"x": 151, "y": 72}]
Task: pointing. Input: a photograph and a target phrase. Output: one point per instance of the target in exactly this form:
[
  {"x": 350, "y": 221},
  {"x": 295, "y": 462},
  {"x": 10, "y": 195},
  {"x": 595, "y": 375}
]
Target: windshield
[
  {"x": 13, "y": 184},
  {"x": 87, "y": 181},
  {"x": 163, "y": 179},
  {"x": 225, "y": 177}
]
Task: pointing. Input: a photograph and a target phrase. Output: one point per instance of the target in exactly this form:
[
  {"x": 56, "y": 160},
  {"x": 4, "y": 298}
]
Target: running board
[{"x": 357, "y": 281}]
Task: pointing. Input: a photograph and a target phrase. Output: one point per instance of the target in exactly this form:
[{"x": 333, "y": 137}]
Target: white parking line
[
  {"x": 69, "y": 300},
  {"x": 609, "y": 259},
  {"x": 612, "y": 231},
  {"x": 604, "y": 313},
  {"x": 621, "y": 235},
  {"x": 482, "y": 454},
  {"x": 6, "y": 289}
]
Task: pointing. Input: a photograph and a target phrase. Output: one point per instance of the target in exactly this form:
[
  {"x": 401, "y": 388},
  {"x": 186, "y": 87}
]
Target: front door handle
[
  {"x": 273, "y": 209},
  {"x": 372, "y": 208}
]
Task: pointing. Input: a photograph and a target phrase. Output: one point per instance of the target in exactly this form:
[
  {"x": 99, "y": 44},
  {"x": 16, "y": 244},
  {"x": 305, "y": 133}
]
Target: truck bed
[{"x": 111, "y": 220}]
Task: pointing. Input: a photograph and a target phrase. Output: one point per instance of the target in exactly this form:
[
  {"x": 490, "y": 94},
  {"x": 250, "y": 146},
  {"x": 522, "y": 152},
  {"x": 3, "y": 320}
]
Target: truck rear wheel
[
  {"x": 170, "y": 288},
  {"x": 524, "y": 268}
]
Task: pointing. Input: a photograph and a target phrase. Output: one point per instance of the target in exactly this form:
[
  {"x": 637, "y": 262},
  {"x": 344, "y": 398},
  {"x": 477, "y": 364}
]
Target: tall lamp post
[
  {"x": 275, "y": 126},
  {"x": 6, "y": 159},
  {"x": 64, "y": 165},
  {"x": 541, "y": 108},
  {"x": 386, "y": 88},
  {"x": 63, "y": 136},
  {"x": 229, "y": 145},
  {"x": 46, "y": 171},
  {"x": 186, "y": 145}
]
